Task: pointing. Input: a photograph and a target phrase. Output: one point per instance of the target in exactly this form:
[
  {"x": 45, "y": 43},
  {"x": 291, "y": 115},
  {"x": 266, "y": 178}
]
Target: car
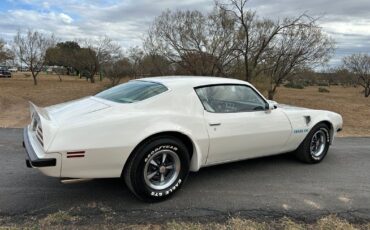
[
  {"x": 5, "y": 73},
  {"x": 153, "y": 131},
  {"x": 13, "y": 69}
]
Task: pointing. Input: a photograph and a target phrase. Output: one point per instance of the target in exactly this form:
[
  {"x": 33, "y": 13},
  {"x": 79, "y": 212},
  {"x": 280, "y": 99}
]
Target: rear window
[{"x": 132, "y": 91}]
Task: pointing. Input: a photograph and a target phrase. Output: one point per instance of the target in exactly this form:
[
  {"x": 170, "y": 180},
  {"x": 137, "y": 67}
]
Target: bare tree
[
  {"x": 155, "y": 65},
  {"x": 117, "y": 70},
  {"x": 136, "y": 55},
  {"x": 105, "y": 50},
  {"x": 359, "y": 64},
  {"x": 293, "y": 49},
  {"x": 5, "y": 53},
  {"x": 31, "y": 50},
  {"x": 255, "y": 36},
  {"x": 197, "y": 44}
]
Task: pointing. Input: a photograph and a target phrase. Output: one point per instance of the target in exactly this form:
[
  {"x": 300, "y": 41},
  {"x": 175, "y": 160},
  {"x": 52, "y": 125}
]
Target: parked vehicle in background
[
  {"x": 4, "y": 72},
  {"x": 13, "y": 69}
]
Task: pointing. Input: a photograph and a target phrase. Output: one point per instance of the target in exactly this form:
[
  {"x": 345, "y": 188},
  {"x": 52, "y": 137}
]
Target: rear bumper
[
  {"x": 32, "y": 160},
  {"x": 48, "y": 163}
]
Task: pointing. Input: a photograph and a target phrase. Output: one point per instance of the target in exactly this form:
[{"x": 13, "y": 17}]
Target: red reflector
[{"x": 77, "y": 152}]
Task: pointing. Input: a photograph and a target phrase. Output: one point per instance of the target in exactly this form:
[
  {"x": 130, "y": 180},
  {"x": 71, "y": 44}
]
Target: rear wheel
[
  {"x": 157, "y": 169},
  {"x": 316, "y": 145}
]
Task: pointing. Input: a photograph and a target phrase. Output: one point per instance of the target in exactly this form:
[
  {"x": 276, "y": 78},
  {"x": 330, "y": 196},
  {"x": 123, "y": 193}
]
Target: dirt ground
[{"x": 17, "y": 91}]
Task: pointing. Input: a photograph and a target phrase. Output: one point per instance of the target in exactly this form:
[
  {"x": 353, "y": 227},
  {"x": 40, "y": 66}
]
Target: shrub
[
  {"x": 323, "y": 84},
  {"x": 294, "y": 85},
  {"x": 323, "y": 90}
]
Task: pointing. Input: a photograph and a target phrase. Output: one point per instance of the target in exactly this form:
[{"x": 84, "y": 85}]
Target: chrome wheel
[
  {"x": 318, "y": 143},
  {"x": 162, "y": 169}
]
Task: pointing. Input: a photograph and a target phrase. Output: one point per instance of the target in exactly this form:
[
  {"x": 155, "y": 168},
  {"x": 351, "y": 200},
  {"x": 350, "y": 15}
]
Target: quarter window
[
  {"x": 132, "y": 91},
  {"x": 230, "y": 99}
]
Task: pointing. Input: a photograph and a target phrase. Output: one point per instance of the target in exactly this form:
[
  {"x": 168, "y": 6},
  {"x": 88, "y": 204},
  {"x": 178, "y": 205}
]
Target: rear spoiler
[{"x": 41, "y": 111}]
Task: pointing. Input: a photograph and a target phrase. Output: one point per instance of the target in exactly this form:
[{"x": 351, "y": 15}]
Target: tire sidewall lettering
[
  {"x": 167, "y": 192},
  {"x": 170, "y": 147}
]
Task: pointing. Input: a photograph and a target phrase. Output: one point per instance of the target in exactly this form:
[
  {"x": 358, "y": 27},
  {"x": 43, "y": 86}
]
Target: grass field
[
  {"x": 64, "y": 220},
  {"x": 16, "y": 92}
]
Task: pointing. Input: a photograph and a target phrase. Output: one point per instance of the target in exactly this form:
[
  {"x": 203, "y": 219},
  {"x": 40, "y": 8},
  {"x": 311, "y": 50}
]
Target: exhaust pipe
[{"x": 74, "y": 180}]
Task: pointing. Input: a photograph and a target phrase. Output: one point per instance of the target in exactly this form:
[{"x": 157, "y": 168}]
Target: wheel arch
[
  {"x": 195, "y": 154},
  {"x": 330, "y": 126}
]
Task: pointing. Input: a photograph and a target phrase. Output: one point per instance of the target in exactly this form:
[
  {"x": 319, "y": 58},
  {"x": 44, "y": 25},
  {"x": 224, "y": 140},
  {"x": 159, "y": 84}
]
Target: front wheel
[
  {"x": 157, "y": 168},
  {"x": 316, "y": 145}
]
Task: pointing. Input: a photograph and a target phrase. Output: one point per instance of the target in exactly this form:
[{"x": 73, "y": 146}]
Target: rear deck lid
[{"x": 74, "y": 109}]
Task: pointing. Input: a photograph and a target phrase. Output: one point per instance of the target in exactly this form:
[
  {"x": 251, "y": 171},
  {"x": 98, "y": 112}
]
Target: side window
[{"x": 230, "y": 99}]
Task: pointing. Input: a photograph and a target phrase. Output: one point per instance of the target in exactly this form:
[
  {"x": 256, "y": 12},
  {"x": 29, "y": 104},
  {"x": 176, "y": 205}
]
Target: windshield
[{"x": 132, "y": 91}]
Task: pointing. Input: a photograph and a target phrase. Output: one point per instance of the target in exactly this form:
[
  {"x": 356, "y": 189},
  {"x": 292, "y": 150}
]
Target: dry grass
[
  {"x": 349, "y": 102},
  {"x": 16, "y": 92},
  {"x": 64, "y": 220}
]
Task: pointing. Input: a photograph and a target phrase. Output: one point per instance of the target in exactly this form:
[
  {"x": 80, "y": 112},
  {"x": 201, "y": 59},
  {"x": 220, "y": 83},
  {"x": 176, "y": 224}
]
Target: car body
[
  {"x": 5, "y": 73},
  {"x": 13, "y": 69},
  {"x": 97, "y": 136}
]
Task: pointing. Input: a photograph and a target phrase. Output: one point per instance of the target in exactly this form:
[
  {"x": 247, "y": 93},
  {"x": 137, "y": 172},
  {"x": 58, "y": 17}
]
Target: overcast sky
[{"x": 126, "y": 21}]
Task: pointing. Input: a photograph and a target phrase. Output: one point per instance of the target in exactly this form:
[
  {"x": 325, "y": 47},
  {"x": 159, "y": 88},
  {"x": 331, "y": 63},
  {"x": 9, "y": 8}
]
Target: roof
[{"x": 192, "y": 81}]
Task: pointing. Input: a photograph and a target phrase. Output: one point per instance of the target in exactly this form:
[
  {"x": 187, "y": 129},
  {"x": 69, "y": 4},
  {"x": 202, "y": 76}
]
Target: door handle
[{"x": 214, "y": 123}]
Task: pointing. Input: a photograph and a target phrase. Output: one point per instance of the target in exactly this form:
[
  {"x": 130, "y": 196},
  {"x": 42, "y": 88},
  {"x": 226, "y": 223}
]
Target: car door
[{"x": 239, "y": 125}]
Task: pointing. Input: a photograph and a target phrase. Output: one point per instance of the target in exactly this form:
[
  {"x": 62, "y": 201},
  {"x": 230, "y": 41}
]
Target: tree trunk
[
  {"x": 34, "y": 76},
  {"x": 246, "y": 69},
  {"x": 271, "y": 94},
  {"x": 34, "y": 80},
  {"x": 92, "y": 79},
  {"x": 367, "y": 91}
]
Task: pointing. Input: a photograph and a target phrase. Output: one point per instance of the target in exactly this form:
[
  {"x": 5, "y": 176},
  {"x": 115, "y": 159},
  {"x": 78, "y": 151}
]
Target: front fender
[{"x": 303, "y": 120}]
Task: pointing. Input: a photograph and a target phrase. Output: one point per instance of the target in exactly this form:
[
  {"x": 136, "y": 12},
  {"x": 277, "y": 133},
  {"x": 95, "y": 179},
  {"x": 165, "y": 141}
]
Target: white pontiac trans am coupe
[{"x": 153, "y": 131}]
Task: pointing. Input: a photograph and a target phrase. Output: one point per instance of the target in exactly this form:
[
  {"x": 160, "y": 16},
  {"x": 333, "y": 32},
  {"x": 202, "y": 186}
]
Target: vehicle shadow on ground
[
  {"x": 235, "y": 174},
  {"x": 46, "y": 195}
]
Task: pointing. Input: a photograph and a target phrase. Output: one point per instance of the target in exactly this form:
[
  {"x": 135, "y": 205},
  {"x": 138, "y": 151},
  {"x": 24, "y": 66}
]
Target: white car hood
[{"x": 76, "y": 108}]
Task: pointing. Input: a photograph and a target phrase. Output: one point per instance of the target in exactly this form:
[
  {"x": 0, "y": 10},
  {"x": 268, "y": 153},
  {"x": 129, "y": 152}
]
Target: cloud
[
  {"x": 65, "y": 18},
  {"x": 126, "y": 22}
]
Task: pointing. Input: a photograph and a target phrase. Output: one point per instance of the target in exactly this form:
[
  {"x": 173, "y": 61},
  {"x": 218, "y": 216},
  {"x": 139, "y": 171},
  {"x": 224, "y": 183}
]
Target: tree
[
  {"x": 195, "y": 43},
  {"x": 63, "y": 54},
  {"x": 86, "y": 63},
  {"x": 31, "y": 50},
  {"x": 117, "y": 70},
  {"x": 293, "y": 49},
  {"x": 359, "y": 64},
  {"x": 136, "y": 55},
  {"x": 105, "y": 50},
  {"x": 5, "y": 53},
  {"x": 155, "y": 65},
  {"x": 254, "y": 37}
]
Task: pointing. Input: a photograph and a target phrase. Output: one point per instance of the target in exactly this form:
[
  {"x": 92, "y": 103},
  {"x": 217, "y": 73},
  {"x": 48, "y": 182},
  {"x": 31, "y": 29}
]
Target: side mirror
[{"x": 270, "y": 105}]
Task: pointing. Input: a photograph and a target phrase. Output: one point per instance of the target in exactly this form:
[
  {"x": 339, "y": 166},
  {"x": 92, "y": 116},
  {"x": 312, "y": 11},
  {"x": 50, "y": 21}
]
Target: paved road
[{"x": 260, "y": 188}]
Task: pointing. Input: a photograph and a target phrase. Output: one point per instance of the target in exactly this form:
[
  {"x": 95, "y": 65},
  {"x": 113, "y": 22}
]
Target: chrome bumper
[{"x": 32, "y": 160}]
